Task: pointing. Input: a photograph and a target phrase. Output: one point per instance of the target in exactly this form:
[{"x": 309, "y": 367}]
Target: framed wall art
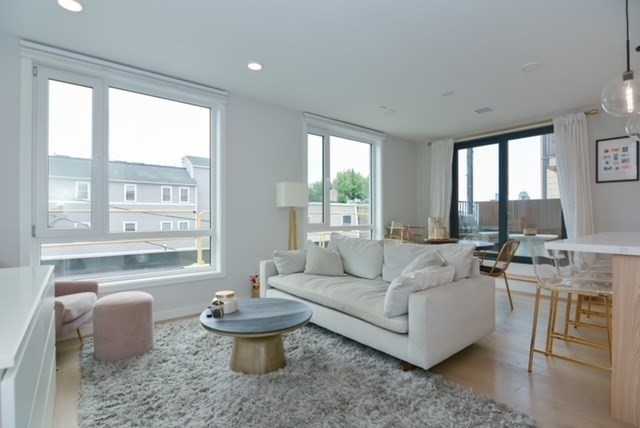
[{"x": 616, "y": 160}]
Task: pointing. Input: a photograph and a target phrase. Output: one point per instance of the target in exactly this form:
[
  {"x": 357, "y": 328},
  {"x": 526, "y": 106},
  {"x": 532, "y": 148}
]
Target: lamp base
[{"x": 293, "y": 229}]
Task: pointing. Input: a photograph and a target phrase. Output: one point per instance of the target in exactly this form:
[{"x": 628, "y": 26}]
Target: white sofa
[{"x": 439, "y": 322}]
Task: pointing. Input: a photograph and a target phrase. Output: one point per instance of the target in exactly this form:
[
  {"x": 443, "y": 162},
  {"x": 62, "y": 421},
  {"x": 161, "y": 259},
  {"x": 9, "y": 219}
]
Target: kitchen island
[{"x": 625, "y": 373}]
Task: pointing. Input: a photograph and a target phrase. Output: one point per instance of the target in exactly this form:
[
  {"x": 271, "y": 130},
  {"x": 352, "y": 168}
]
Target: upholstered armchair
[{"x": 74, "y": 306}]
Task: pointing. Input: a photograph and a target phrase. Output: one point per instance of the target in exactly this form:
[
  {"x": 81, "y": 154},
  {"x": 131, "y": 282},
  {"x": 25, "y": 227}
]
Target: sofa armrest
[
  {"x": 62, "y": 288},
  {"x": 444, "y": 320},
  {"x": 267, "y": 270}
]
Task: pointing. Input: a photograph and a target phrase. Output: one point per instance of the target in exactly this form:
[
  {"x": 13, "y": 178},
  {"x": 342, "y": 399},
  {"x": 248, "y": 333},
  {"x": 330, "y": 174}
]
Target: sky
[
  {"x": 142, "y": 128},
  {"x": 524, "y": 170},
  {"x": 345, "y": 154}
]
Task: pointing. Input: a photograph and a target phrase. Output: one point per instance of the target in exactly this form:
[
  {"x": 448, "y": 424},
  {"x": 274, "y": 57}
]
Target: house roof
[
  {"x": 80, "y": 168},
  {"x": 199, "y": 161}
]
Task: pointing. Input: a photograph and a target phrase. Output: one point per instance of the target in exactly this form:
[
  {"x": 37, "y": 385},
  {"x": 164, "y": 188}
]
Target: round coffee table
[{"x": 256, "y": 328}]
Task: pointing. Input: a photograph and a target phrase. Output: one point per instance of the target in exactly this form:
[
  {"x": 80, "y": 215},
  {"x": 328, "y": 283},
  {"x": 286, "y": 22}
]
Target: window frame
[
  {"x": 162, "y": 188},
  {"x": 162, "y": 223},
  {"x": 85, "y": 183},
  {"x": 39, "y": 63},
  {"x": 180, "y": 189},
  {"x": 183, "y": 222},
  {"x": 327, "y": 128},
  {"x": 126, "y": 222},
  {"x": 134, "y": 188},
  {"x": 502, "y": 141}
]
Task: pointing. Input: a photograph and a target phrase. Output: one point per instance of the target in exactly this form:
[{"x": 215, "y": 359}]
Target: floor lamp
[{"x": 292, "y": 196}]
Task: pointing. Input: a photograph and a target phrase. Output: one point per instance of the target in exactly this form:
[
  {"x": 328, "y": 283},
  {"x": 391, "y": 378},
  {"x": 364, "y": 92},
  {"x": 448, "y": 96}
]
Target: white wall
[
  {"x": 264, "y": 145},
  {"x": 9, "y": 150},
  {"x": 616, "y": 206}
]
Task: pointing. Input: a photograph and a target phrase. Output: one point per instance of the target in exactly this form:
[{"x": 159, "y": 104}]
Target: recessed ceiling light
[
  {"x": 531, "y": 66},
  {"x": 254, "y": 66},
  {"x": 70, "y": 5}
]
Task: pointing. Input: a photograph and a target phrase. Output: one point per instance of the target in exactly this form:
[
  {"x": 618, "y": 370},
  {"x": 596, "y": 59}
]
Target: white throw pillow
[
  {"x": 398, "y": 255},
  {"x": 396, "y": 301},
  {"x": 288, "y": 262},
  {"x": 360, "y": 257},
  {"x": 431, "y": 257},
  {"x": 458, "y": 256},
  {"x": 322, "y": 261}
]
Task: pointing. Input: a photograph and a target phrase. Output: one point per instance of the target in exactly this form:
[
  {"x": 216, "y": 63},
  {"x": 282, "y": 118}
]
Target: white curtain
[
  {"x": 574, "y": 174},
  {"x": 441, "y": 159}
]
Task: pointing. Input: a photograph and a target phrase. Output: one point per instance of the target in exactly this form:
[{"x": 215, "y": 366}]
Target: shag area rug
[{"x": 329, "y": 381}]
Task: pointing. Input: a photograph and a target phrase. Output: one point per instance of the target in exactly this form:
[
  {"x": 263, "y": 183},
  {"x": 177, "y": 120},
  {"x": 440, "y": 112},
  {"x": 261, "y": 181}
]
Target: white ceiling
[{"x": 346, "y": 58}]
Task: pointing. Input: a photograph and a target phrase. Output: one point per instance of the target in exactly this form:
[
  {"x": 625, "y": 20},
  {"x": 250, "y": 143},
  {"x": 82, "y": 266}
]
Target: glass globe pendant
[
  {"x": 633, "y": 127},
  {"x": 621, "y": 96}
]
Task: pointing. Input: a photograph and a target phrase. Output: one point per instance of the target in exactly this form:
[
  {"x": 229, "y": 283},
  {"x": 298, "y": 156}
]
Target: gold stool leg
[
  {"x": 80, "y": 335},
  {"x": 534, "y": 329},
  {"x": 506, "y": 282}
]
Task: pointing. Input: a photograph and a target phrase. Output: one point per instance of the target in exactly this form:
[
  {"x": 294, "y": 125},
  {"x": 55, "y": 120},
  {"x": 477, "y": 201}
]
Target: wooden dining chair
[{"x": 501, "y": 264}]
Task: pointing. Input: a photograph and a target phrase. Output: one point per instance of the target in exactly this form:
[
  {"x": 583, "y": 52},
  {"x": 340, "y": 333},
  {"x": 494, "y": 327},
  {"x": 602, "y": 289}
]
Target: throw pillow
[
  {"x": 431, "y": 257},
  {"x": 398, "y": 255},
  {"x": 458, "y": 256},
  {"x": 360, "y": 257},
  {"x": 288, "y": 262},
  {"x": 396, "y": 301},
  {"x": 322, "y": 261}
]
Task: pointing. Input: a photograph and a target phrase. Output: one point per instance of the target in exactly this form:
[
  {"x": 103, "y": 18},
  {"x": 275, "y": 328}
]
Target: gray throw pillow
[
  {"x": 288, "y": 262},
  {"x": 322, "y": 261}
]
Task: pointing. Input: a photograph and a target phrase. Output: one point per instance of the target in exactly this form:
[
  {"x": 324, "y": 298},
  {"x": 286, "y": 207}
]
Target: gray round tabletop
[{"x": 258, "y": 317}]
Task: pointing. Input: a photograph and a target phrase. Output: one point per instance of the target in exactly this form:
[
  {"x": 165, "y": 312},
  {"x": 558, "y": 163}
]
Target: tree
[
  {"x": 315, "y": 192},
  {"x": 351, "y": 186}
]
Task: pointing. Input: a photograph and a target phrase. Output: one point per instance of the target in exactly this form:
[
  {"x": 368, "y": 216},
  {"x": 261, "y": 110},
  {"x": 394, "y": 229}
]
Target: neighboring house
[{"x": 142, "y": 198}]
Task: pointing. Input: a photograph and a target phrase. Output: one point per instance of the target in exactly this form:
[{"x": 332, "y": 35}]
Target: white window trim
[
  {"x": 327, "y": 127},
  {"x": 34, "y": 56},
  {"x": 180, "y": 195},
  {"x": 86, "y": 183},
  {"x": 135, "y": 193},
  {"x": 125, "y": 223},
  {"x": 162, "y": 194},
  {"x": 162, "y": 223},
  {"x": 183, "y": 222}
]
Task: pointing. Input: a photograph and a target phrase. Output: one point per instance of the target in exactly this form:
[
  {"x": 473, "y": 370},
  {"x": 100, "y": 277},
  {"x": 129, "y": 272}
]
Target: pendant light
[
  {"x": 621, "y": 97},
  {"x": 633, "y": 126}
]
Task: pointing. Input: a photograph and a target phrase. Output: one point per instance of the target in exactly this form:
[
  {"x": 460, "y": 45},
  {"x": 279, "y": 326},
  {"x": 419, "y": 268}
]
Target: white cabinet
[{"x": 27, "y": 347}]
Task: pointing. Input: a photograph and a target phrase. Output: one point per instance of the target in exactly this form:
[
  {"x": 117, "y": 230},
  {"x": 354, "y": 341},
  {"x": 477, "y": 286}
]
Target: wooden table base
[{"x": 257, "y": 355}]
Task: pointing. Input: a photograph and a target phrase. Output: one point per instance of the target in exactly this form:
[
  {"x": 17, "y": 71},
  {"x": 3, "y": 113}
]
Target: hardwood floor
[{"x": 557, "y": 393}]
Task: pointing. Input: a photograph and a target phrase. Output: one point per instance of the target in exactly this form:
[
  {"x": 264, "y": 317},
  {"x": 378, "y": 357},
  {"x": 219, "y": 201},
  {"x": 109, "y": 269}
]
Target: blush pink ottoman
[{"x": 122, "y": 325}]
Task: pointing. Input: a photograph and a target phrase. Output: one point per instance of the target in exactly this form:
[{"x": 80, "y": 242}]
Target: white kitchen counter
[{"x": 627, "y": 243}]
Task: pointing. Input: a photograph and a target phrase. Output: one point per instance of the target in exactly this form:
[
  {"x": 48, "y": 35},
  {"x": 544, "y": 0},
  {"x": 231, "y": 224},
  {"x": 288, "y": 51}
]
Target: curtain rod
[{"x": 511, "y": 128}]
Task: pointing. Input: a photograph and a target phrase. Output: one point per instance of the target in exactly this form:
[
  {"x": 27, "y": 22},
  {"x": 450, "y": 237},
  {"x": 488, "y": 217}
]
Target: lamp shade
[{"x": 290, "y": 194}]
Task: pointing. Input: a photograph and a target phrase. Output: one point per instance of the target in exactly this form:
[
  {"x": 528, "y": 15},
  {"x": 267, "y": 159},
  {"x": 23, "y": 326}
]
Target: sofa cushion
[
  {"x": 360, "y": 257},
  {"x": 396, "y": 300},
  {"x": 361, "y": 298},
  {"x": 77, "y": 304},
  {"x": 398, "y": 255},
  {"x": 288, "y": 262},
  {"x": 458, "y": 256},
  {"x": 322, "y": 261}
]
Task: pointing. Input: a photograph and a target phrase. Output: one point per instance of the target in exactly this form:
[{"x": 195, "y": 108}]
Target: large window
[
  {"x": 109, "y": 140},
  {"x": 341, "y": 163},
  {"x": 506, "y": 187}
]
